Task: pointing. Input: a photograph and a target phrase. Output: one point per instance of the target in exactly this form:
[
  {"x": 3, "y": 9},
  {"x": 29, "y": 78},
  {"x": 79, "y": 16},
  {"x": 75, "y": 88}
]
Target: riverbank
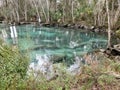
[
  {"x": 99, "y": 72},
  {"x": 78, "y": 25},
  {"x": 68, "y": 26}
]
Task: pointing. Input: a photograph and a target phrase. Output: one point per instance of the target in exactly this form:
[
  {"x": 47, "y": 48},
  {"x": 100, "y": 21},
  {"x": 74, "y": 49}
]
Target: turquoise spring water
[{"x": 56, "y": 43}]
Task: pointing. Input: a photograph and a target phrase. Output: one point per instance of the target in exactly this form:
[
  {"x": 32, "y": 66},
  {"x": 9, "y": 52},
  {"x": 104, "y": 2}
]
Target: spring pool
[{"x": 55, "y": 44}]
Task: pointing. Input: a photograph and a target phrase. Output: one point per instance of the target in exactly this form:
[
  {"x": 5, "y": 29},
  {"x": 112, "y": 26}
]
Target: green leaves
[
  {"x": 13, "y": 67},
  {"x": 105, "y": 79},
  {"x": 118, "y": 33},
  {"x": 115, "y": 67}
]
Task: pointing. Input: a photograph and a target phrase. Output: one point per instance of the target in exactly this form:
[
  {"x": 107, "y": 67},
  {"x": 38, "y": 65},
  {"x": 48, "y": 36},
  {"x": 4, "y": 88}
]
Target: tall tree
[{"x": 109, "y": 24}]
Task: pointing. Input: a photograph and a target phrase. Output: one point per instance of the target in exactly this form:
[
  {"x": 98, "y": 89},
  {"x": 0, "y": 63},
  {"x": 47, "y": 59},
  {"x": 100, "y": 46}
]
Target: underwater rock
[
  {"x": 43, "y": 64},
  {"x": 82, "y": 27},
  {"x": 77, "y": 26},
  {"x": 72, "y": 26},
  {"x": 57, "y": 58},
  {"x": 96, "y": 30},
  {"x": 65, "y": 25},
  {"x": 86, "y": 27},
  {"x": 92, "y": 27},
  {"x": 75, "y": 68}
]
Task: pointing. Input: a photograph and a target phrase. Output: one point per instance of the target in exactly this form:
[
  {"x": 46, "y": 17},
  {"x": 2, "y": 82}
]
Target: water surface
[{"x": 55, "y": 44}]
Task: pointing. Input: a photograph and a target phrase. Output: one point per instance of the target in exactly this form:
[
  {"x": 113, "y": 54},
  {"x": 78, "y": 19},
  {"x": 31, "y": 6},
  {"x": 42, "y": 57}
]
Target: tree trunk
[
  {"x": 47, "y": 3},
  {"x": 25, "y": 10},
  {"x": 72, "y": 12},
  {"x": 43, "y": 10},
  {"x": 37, "y": 11},
  {"x": 109, "y": 24},
  {"x": 117, "y": 15}
]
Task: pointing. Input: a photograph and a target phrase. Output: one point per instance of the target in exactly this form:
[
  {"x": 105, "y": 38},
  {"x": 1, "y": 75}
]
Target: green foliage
[
  {"x": 32, "y": 12},
  {"x": 118, "y": 33},
  {"x": 105, "y": 79},
  {"x": 56, "y": 16},
  {"x": 60, "y": 81},
  {"x": 13, "y": 67},
  {"x": 115, "y": 67}
]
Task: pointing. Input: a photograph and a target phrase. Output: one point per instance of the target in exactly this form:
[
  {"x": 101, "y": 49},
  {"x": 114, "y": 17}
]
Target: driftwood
[{"x": 113, "y": 50}]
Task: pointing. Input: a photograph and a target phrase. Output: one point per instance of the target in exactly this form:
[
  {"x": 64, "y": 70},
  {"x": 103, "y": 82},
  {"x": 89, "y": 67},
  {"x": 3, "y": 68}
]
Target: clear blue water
[{"x": 64, "y": 44}]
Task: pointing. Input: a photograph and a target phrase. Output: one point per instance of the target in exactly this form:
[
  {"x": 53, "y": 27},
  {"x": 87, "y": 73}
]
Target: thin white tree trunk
[
  {"x": 117, "y": 15},
  {"x": 18, "y": 17},
  {"x": 109, "y": 24},
  {"x": 17, "y": 10},
  {"x": 25, "y": 10},
  {"x": 48, "y": 17},
  {"x": 43, "y": 10},
  {"x": 72, "y": 11}
]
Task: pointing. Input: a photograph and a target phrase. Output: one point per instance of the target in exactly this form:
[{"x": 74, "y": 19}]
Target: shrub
[{"x": 13, "y": 67}]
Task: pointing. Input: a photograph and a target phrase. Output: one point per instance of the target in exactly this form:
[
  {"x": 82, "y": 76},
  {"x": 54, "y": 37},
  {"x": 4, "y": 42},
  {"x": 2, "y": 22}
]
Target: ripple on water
[{"x": 51, "y": 45}]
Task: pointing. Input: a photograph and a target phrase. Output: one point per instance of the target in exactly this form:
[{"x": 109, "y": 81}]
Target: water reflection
[
  {"x": 30, "y": 37},
  {"x": 64, "y": 45}
]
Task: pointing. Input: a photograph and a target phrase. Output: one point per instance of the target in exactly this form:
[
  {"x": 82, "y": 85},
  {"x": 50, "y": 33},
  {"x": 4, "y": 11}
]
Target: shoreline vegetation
[
  {"x": 63, "y": 12},
  {"x": 101, "y": 73}
]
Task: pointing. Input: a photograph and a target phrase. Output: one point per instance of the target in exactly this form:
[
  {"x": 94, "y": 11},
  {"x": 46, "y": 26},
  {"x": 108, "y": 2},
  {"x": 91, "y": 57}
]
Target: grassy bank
[{"x": 101, "y": 74}]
